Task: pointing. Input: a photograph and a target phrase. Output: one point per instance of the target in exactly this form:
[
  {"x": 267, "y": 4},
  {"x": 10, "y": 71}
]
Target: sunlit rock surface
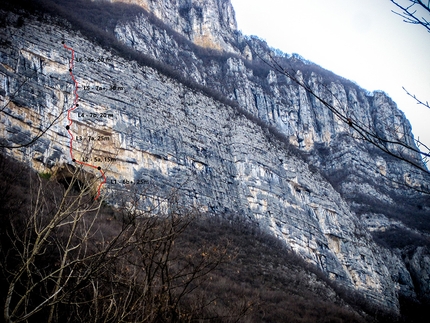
[{"x": 153, "y": 134}]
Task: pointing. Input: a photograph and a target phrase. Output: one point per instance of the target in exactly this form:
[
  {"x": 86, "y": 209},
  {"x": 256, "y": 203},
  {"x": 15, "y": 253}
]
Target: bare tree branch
[
  {"x": 64, "y": 258},
  {"x": 413, "y": 96},
  {"x": 363, "y": 131},
  {"x": 410, "y": 13}
]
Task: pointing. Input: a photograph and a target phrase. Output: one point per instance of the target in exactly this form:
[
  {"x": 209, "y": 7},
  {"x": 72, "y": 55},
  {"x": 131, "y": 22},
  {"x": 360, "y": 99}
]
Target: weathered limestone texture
[{"x": 152, "y": 134}]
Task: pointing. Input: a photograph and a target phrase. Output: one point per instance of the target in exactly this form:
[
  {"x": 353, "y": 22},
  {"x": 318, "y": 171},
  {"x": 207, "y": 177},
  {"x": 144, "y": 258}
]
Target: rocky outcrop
[
  {"x": 364, "y": 175},
  {"x": 418, "y": 263},
  {"x": 275, "y": 99},
  {"x": 208, "y": 24},
  {"x": 152, "y": 134}
]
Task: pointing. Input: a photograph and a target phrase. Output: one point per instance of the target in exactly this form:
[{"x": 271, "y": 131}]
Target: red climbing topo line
[{"x": 74, "y": 106}]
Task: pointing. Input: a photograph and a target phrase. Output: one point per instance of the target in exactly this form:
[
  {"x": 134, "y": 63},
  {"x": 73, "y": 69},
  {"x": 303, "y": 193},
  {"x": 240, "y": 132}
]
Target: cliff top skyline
[{"x": 363, "y": 41}]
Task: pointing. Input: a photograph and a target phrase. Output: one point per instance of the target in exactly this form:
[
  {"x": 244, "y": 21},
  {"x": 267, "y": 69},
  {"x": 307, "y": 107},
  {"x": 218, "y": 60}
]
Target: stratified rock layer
[
  {"x": 207, "y": 23},
  {"x": 154, "y": 135}
]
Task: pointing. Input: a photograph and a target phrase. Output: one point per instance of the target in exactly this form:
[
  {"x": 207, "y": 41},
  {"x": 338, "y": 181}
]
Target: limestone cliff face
[
  {"x": 153, "y": 134},
  {"x": 354, "y": 167},
  {"x": 206, "y": 23}
]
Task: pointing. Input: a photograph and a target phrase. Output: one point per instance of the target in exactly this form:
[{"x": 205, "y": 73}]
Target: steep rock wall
[
  {"x": 206, "y": 23},
  {"x": 352, "y": 165},
  {"x": 164, "y": 136}
]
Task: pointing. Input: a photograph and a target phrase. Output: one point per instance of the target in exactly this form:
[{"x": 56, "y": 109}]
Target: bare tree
[
  {"x": 159, "y": 278},
  {"x": 63, "y": 259},
  {"x": 58, "y": 228}
]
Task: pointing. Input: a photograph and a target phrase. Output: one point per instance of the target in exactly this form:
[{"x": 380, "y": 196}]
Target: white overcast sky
[{"x": 361, "y": 40}]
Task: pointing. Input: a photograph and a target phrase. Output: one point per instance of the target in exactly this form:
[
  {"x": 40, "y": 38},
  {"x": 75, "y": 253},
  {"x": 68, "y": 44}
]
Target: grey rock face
[
  {"x": 164, "y": 136},
  {"x": 208, "y": 23},
  {"x": 274, "y": 98},
  {"x": 418, "y": 262},
  {"x": 355, "y": 167}
]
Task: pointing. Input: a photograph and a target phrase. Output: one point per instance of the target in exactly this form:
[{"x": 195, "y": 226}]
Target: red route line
[{"x": 74, "y": 106}]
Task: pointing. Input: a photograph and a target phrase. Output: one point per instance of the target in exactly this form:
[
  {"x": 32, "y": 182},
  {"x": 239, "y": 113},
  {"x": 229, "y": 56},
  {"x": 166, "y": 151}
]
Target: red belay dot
[{"x": 74, "y": 106}]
